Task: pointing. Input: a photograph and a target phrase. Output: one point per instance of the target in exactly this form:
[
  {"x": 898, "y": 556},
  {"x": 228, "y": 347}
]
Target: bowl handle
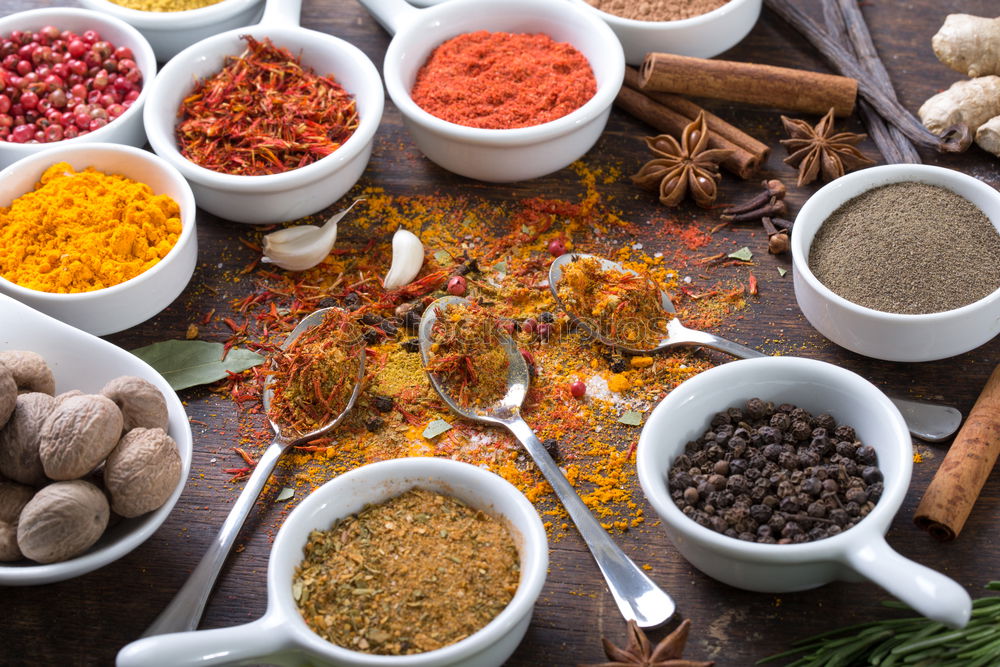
[
  {"x": 391, "y": 14},
  {"x": 224, "y": 646},
  {"x": 281, "y": 13},
  {"x": 928, "y": 592}
]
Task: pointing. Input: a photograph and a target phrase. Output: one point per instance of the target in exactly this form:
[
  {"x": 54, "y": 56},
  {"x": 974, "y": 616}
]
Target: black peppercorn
[
  {"x": 389, "y": 328},
  {"x": 871, "y": 474},
  {"x": 352, "y": 301},
  {"x": 619, "y": 365},
  {"x": 411, "y": 320},
  {"x": 371, "y": 336},
  {"x": 411, "y": 345},
  {"x": 382, "y": 403},
  {"x": 371, "y": 319},
  {"x": 374, "y": 424},
  {"x": 551, "y": 446}
]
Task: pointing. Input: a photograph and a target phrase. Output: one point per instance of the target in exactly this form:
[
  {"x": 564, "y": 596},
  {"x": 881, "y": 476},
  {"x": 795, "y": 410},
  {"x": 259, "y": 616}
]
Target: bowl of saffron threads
[
  {"x": 268, "y": 123},
  {"x": 456, "y": 73}
]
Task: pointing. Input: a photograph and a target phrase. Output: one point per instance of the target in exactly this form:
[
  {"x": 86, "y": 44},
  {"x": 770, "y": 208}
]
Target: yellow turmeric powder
[{"x": 83, "y": 231}]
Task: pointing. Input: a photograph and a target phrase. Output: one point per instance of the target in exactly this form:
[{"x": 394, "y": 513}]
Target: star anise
[
  {"x": 639, "y": 652},
  {"x": 817, "y": 151},
  {"x": 683, "y": 167}
]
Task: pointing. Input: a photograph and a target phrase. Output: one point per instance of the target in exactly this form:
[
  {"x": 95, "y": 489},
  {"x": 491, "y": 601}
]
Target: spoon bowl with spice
[
  {"x": 545, "y": 120},
  {"x": 173, "y": 25},
  {"x": 315, "y": 379},
  {"x": 656, "y": 326},
  {"x": 807, "y": 464},
  {"x": 295, "y": 575},
  {"x": 459, "y": 341},
  {"x": 901, "y": 262},
  {"x": 231, "y": 141},
  {"x": 68, "y": 105}
]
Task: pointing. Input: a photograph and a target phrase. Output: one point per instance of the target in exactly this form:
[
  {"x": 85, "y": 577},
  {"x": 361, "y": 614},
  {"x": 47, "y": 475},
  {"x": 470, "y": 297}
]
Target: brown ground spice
[
  {"x": 657, "y": 10},
  {"x": 413, "y": 574}
]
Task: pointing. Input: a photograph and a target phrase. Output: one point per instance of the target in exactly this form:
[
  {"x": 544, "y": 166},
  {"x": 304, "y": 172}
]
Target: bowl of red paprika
[
  {"x": 500, "y": 90},
  {"x": 268, "y": 123}
]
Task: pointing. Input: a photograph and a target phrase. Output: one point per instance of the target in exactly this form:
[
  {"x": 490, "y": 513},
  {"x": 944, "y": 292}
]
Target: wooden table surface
[{"x": 86, "y": 620}]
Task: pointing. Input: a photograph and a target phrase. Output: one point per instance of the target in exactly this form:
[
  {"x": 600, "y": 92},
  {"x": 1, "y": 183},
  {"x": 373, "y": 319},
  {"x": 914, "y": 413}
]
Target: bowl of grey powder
[{"x": 901, "y": 262}]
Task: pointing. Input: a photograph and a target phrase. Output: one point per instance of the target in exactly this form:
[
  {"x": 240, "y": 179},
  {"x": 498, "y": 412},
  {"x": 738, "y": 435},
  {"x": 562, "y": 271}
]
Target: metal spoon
[
  {"x": 928, "y": 421},
  {"x": 184, "y": 611},
  {"x": 637, "y": 597}
]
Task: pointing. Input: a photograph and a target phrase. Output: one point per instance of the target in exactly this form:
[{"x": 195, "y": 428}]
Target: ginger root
[
  {"x": 988, "y": 136},
  {"x": 969, "y": 44},
  {"x": 971, "y": 102}
]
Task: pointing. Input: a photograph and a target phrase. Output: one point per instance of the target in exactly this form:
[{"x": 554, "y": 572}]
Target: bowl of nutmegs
[
  {"x": 782, "y": 474},
  {"x": 95, "y": 449},
  {"x": 901, "y": 262},
  {"x": 405, "y": 562}
]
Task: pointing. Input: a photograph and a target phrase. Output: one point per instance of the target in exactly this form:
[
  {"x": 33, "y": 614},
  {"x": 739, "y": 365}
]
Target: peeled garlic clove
[
  {"x": 303, "y": 247},
  {"x": 407, "y": 258}
]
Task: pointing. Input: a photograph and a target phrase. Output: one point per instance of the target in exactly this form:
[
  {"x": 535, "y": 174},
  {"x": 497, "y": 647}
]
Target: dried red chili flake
[
  {"x": 264, "y": 113},
  {"x": 502, "y": 80}
]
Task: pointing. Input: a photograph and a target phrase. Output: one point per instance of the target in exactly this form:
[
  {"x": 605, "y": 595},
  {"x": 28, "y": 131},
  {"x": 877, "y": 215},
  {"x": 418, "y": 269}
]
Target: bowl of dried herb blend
[
  {"x": 86, "y": 81},
  {"x": 505, "y": 126},
  {"x": 173, "y": 25},
  {"x": 437, "y": 563},
  {"x": 901, "y": 262},
  {"x": 100, "y": 236},
  {"x": 828, "y": 426},
  {"x": 267, "y": 123},
  {"x": 699, "y": 28}
]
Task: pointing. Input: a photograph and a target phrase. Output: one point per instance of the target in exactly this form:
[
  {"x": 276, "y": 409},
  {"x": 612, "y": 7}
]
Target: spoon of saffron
[
  {"x": 932, "y": 422},
  {"x": 637, "y": 597},
  {"x": 184, "y": 611}
]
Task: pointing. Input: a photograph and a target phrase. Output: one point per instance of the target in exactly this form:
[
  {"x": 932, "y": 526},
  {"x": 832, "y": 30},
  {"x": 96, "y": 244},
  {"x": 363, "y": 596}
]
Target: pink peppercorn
[
  {"x": 457, "y": 286},
  {"x": 578, "y": 389}
]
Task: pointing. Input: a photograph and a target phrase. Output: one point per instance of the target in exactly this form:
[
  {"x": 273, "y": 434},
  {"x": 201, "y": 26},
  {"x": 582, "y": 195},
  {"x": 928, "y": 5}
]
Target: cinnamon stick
[
  {"x": 741, "y": 162},
  {"x": 687, "y": 108},
  {"x": 767, "y": 85},
  {"x": 957, "y": 483}
]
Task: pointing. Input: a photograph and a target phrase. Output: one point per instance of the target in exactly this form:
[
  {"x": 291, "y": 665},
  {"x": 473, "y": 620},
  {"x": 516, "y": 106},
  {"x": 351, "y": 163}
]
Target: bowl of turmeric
[{"x": 106, "y": 261}]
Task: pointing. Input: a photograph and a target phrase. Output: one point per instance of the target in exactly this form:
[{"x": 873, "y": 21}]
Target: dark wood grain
[{"x": 86, "y": 620}]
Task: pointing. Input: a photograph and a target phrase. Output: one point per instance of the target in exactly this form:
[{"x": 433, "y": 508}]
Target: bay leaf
[
  {"x": 442, "y": 257},
  {"x": 189, "y": 363},
  {"x": 782, "y": 272},
  {"x": 631, "y": 418},
  {"x": 436, "y": 428},
  {"x": 285, "y": 494},
  {"x": 743, "y": 254}
]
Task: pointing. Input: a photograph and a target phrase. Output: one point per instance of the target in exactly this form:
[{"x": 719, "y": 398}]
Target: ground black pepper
[{"x": 908, "y": 248}]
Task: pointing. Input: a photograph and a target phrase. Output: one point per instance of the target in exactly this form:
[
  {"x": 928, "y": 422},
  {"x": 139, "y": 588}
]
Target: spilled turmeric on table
[{"x": 83, "y": 231}]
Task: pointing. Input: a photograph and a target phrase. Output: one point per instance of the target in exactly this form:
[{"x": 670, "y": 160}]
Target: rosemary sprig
[{"x": 905, "y": 642}]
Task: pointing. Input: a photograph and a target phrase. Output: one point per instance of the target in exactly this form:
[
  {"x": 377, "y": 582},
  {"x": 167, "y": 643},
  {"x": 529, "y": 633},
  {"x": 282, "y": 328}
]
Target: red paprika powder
[{"x": 502, "y": 80}]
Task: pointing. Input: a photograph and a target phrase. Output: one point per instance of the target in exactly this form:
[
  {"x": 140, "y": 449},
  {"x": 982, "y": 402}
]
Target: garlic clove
[
  {"x": 303, "y": 247},
  {"x": 407, "y": 258}
]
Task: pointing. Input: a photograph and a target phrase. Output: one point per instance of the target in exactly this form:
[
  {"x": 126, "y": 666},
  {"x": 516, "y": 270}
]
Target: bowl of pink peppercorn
[{"x": 70, "y": 76}]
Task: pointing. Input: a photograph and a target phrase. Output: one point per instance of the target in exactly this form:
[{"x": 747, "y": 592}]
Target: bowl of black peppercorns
[{"x": 782, "y": 474}]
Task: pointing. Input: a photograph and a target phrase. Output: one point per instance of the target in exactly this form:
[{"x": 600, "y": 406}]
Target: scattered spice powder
[
  {"x": 264, "y": 113},
  {"x": 313, "y": 378},
  {"x": 502, "y": 80},
  {"x": 622, "y": 306},
  {"x": 468, "y": 356},
  {"x": 86, "y": 230},
  {"x": 413, "y": 574}
]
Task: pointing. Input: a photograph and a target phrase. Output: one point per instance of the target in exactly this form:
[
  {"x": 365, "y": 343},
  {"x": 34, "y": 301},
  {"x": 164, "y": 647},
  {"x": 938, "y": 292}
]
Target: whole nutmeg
[
  {"x": 62, "y": 521},
  {"x": 78, "y": 435},
  {"x": 30, "y": 371},
  {"x": 141, "y": 403},
  {"x": 20, "y": 438},
  {"x": 142, "y": 471},
  {"x": 13, "y": 498},
  {"x": 8, "y": 394}
]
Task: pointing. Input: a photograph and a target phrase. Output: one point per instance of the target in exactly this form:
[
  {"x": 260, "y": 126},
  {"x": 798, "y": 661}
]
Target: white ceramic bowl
[
  {"x": 891, "y": 336},
  {"x": 859, "y": 552},
  {"x": 127, "y": 128},
  {"x": 702, "y": 36},
  {"x": 274, "y": 197},
  {"x": 171, "y": 32},
  {"x": 121, "y": 306},
  {"x": 499, "y": 155},
  {"x": 281, "y": 635},
  {"x": 85, "y": 362}
]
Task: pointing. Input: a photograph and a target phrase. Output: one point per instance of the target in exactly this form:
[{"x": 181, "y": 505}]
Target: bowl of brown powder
[{"x": 901, "y": 262}]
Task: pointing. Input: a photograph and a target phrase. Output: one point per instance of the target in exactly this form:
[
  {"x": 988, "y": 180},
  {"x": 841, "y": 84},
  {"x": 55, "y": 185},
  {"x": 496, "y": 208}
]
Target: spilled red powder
[{"x": 502, "y": 80}]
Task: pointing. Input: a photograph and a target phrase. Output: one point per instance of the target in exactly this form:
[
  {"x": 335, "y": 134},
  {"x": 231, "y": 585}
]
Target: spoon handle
[
  {"x": 637, "y": 597},
  {"x": 184, "y": 611}
]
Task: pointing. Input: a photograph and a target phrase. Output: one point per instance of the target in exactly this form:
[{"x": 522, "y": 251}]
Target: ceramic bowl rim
[
  {"x": 187, "y": 209},
  {"x": 878, "y": 176},
  {"x": 284, "y": 181},
  {"x": 172, "y": 20},
  {"x": 673, "y": 25},
  {"x": 603, "y": 96},
  {"x": 655, "y": 488}
]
